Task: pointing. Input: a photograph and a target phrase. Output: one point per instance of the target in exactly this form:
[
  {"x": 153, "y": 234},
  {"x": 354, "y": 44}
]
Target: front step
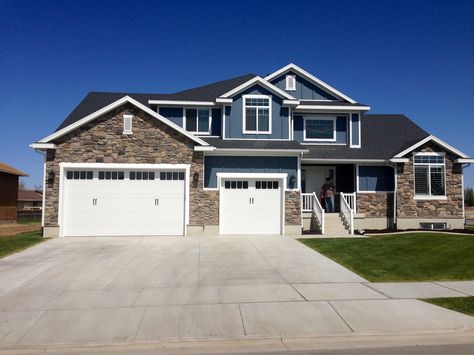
[{"x": 333, "y": 225}]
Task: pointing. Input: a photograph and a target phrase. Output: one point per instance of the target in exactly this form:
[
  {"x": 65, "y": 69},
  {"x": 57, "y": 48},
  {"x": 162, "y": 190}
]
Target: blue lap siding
[{"x": 341, "y": 130}]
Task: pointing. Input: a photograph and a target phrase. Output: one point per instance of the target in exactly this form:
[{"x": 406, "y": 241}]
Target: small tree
[{"x": 469, "y": 196}]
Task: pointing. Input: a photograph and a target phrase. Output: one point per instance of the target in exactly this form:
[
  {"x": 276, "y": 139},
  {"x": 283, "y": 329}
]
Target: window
[
  {"x": 320, "y": 129},
  {"x": 290, "y": 83},
  {"x": 236, "y": 185},
  {"x": 142, "y": 175},
  {"x": 127, "y": 124},
  {"x": 433, "y": 226},
  {"x": 375, "y": 178},
  {"x": 79, "y": 175},
  {"x": 172, "y": 175},
  {"x": 429, "y": 175},
  {"x": 111, "y": 175},
  {"x": 256, "y": 114},
  {"x": 266, "y": 185},
  {"x": 198, "y": 120}
]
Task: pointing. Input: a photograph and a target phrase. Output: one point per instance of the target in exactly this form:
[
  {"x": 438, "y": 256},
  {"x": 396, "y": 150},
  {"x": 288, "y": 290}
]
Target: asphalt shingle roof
[{"x": 253, "y": 144}]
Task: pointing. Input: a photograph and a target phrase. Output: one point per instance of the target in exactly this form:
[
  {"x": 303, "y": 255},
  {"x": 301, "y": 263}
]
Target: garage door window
[
  {"x": 171, "y": 175},
  {"x": 236, "y": 185},
  {"x": 266, "y": 185},
  {"x": 79, "y": 175},
  {"x": 111, "y": 175},
  {"x": 142, "y": 175}
]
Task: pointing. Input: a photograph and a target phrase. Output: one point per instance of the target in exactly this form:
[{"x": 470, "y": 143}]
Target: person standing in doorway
[{"x": 328, "y": 191}]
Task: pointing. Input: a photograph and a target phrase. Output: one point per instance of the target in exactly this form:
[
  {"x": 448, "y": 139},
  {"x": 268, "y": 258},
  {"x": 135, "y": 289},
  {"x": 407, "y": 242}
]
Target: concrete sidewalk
[{"x": 140, "y": 290}]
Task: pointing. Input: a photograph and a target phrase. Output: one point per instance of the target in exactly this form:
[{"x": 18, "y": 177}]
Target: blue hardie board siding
[
  {"x": 376, "y": 178},
  {"x": 248, "y": 164},
  {"x": 175, "y": 115},
  {"x": 341, "y": 130},
  {"x": 234, "y": 117},
  {"x": 355, "y": 129},
  {"x": 304, "y": 89}
]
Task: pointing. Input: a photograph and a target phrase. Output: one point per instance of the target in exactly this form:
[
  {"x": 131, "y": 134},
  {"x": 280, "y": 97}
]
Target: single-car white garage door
[
  {"x": 123, "y": 202},
  {"x": 251, "y": 206}
]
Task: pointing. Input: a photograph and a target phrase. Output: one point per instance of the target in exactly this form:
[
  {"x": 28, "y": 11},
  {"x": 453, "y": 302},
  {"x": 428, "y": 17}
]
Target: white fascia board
[
  {"x": 262, "y": 150},
  {"x": 399, "y": 160},
  {"x": 437, "y": 141},
  {"x": 317, "y": 160},
  {"x": 221, "y": 100},
  {"x": 200, "y": 148},
  {"x": 331, "y": 108},
  {"x": 464, "y": 161},
  {"x": 261, "y": 81},
  {"x": 291, "y": 102},
  {"x": 310, "y": 78},
  {"x": 41, "y": 146},
  {"x": 125, "y": 166},
  {"x": 253, "y": 175},
  {"x": 180, "y": 103},
  {"x": 114, "y": 105}
]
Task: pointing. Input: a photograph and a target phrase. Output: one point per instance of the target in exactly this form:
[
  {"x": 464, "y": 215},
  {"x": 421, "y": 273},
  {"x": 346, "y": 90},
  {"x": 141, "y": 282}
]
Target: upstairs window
[
  {"x": 322, "y": 129},
  {"x": 127, "y": 124},
  {"x": 198, "y": 120},
  {"x": 290, "y": 83},
  {"x": 256, "y": 114},
  {"x": 429, "y": 175}
]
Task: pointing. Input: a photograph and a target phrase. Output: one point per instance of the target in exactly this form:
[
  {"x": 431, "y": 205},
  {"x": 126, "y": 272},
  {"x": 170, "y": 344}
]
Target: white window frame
[
  {"x": 290, "y": 79},
  {"x": 197, "y": 132},
  {"x": 125, "y": 130},
  {"x": 320, "y": 117},
  {"x": 429, "y": 196},
  {"x": 269, "y": 98}
]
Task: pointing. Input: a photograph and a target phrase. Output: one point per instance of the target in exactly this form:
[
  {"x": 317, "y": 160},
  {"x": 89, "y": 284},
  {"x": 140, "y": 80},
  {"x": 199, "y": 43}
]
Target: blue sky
[{"x": 407, "y": 57}]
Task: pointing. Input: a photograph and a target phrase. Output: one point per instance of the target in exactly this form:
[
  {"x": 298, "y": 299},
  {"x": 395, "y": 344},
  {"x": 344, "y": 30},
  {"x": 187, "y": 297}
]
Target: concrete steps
[{"x": 333, "y": 225}]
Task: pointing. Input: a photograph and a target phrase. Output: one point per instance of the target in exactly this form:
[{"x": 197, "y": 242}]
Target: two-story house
[{"x": 247, "y": 155}]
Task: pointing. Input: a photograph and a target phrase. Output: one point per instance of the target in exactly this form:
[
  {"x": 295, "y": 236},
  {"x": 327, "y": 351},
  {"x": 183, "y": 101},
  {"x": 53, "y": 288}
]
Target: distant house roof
[
  {"x": 29, "y": 195},
  {"x": 4, "y": 168},
  {"x": 94, "y": 101},
  {"x": 382, "y": 137}
]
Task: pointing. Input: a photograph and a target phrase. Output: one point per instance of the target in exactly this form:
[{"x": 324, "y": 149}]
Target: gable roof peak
[{"x": 261, "y": 81}]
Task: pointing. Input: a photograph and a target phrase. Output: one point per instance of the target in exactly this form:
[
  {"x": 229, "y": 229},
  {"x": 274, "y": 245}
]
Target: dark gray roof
[
  {"x": 249, "y": 144},
  {"x": 383, "y": 136},
  {"x": 96, "y": 100},
  {"x": 329, "y": 103}
]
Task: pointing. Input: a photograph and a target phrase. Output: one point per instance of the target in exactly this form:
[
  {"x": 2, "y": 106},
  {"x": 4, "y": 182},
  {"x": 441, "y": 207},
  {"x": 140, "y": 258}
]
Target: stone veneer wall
[
  {"x": 152, "y": 142},
  {"x": 408, "y": 207},
  {"x": 292, "y": 208},
  {"x": 373, "y": 205}
]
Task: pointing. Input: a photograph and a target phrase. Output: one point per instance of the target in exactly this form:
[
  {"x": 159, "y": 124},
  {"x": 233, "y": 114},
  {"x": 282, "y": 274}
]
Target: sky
[{"x": 410, "y": 57}]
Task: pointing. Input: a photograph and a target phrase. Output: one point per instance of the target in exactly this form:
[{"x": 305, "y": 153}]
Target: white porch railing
[
  {"x": 310, "y": 203},
  {"x": 348, "y": 202}
]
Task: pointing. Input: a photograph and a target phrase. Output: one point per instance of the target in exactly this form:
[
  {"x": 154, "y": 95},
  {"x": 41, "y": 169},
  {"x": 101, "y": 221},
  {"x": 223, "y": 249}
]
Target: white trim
[
  {"x": 436, "y": 140},
  {"x": 127, "y": 131},
  {"x": 261, "y": 81},
  {"x": 292, "y": 152},
  {"x": 114, "y": 105},
  {"x": 423, "y": 197},
  {"x": 200, "y": 148},
  {"x": 181, "y": 103},
  {"x": 464, "y": 161},
  {"x": 317, "y": 160},
  {"x": 320, "y": 118},
  {"x": 43, "y": 146},
  {"x": 291, "y": 102},
  {"x": 399, "y": 160},
  {"x": 221, "y": 100},
  {"x": 351, "y": 145},
  {"x": 244, "y": 106},
  {"x": 332, "y": 108},
  {"x": 223, "y": 121},
  {"x": 44, "y": 191},
  {"x": 358, "y": 190},
  {"x": 198, "y": 133},
  {"x": 429, "y": 165},
  {"x": 290, "y": 82},
  {"x": 63, "y": 166},
  {"x": 310, "y": 78}
]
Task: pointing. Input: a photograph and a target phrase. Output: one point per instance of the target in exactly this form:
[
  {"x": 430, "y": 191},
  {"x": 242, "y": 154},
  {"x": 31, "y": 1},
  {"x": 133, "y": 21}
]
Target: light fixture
[
  {"x": 51, "y": 176},
  {"x": 196, "y": 177}
]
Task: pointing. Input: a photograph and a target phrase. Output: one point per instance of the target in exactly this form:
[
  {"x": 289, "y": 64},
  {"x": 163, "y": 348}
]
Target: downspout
[
  {"x": 462, "y": 187},
  {"x": 395, "y": 189},
  {"x": 44, "y": 154}
]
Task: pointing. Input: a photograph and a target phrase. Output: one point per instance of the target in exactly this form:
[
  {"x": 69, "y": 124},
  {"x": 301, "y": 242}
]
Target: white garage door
[
  {"x": 250, "y": 206},
  {"x": 119, "y": 202}
]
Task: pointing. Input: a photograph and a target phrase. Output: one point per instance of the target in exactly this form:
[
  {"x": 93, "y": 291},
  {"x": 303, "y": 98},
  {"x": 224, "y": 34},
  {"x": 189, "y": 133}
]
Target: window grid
[
  {"x": 266, "y": 185},
  {"x": 257, "y": 115},
  {"x": 198, "y": 120},
  {"x": 429, "y": 175},
  {"x": 171, "y": 175},
  {"x": 236, "y": 185},
  {"x": 79, "y": 175},
  {"x": 111, "y": 175},
  {"x": 142, "y": 175}
]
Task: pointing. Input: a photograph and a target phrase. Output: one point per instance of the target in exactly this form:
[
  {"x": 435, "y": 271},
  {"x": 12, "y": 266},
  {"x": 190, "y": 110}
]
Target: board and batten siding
[
  {"x": 355, "y": 132},
  {"x": 377, "y": 178},
  {"x": 248, "y": 164},
  {"x": 304, "y": 89},
  {"x": 279, "y": 117},
  {"x": 341, "y": 130}
]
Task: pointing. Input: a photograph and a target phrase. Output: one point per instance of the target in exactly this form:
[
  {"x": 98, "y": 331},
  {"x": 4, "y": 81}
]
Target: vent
[
  {"x": 290, "y": 83},
  {"x": 127, "y": 124}
]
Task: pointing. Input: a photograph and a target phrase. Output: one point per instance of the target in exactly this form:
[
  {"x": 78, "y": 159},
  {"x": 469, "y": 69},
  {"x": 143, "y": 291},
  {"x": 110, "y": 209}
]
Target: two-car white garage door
[{"x": 123, "y": 202}]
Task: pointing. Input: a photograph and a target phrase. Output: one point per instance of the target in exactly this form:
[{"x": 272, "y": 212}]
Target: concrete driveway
[{"x": 124, "y": 290}]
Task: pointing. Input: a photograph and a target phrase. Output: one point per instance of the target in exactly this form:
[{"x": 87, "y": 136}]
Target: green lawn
[
  {"x": 469, "y": 227},
  {"x": 13, "y": 244},
  {"x": 403, "y": 257},
  {"x": 459, "y": 304}
]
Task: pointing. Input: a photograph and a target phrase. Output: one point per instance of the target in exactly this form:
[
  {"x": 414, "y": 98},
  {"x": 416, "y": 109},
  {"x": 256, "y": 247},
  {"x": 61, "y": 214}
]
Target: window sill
[
  {"x": 257, "y": 132},
  {"x": 127, "y": 132},
  {"x": 200, "y": 133},
  {"x": 430, "y": 198}
]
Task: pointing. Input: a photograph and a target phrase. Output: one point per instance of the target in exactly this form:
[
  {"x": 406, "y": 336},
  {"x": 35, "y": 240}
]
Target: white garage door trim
[
  {"x": 62, "y": 176},
  {"x": 275, "y": 176}
]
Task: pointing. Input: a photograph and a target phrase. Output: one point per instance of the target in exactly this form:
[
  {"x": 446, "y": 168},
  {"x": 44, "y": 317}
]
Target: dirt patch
[{"x": 8, "y": 229}]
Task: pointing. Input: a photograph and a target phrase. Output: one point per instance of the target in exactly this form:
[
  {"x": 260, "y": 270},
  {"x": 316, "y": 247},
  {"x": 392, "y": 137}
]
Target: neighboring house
[
  {"x": 30, "y": 200},
  {"x": 9, "y": 192},
  {"x": 246, "y": 155}
]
